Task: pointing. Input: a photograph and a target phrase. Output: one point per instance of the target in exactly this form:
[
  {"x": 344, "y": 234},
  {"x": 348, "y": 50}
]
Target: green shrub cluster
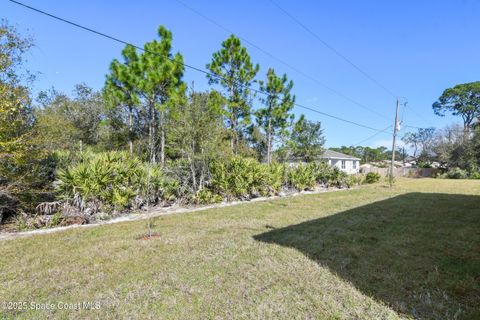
[
  {"x": 475, "y": 175},
  {"x": 115, "y": 180},
  {"x": 243, "y": 178},
  {"x": 307, "y": 176},
  {"x": 372, "y": 177},
  {"x": 246, "y": 178},
  {"x": 455, "y": 173}
]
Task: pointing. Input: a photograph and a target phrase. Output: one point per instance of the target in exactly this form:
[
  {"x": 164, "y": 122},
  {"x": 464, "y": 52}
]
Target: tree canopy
[
  {"x": 461, "y": 100},
  {"x": 307, "y": 140},
  {"x": 153, "y": 80},
  {"x": 16, "y": 120},
  {"x": 274, "y": 117},
  {"x": 234, "y": 71}
]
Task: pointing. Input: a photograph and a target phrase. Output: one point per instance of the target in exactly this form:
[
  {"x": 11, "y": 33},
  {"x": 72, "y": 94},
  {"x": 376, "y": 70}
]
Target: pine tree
[
  {"x": 233, "y": 70},
  {"x": 274, "y": 118},
  {"x": 120, "y": 89},
  {"x": 154, "y": 78}
]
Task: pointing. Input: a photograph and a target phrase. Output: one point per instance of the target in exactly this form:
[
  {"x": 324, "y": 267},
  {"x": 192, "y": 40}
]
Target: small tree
[
  {"x": 422, "y": 140},
  {"x": 307, "y": 140},
  {"x": 274, "y": 118},
  {"x": 199, "y": 136}
]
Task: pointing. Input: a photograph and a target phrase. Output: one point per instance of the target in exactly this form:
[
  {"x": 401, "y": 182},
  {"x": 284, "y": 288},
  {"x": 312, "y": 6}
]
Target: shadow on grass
[{"x": 418, "y": 253}]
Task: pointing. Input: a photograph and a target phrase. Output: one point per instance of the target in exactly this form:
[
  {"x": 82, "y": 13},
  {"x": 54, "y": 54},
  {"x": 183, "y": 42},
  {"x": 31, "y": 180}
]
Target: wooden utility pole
[{"x": 395, "y": 129}]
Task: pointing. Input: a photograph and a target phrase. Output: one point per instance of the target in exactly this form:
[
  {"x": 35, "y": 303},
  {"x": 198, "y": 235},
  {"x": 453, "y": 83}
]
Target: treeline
[
  {"x": 147, "y": 116},
  {"x": 455, "y": 148},
  {"x": 147, "y": 109}
]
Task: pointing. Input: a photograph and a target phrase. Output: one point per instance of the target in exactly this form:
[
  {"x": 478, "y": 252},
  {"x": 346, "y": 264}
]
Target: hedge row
[{"x": 117, "y": 181}]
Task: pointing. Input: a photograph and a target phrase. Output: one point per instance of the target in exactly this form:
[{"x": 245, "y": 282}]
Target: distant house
[{"x": 344, "y": 162}]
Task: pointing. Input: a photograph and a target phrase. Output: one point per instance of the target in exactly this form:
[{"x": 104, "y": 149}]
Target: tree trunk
[
  {"x": 151, "y": 134},
  {"x": 269, "y": 140},
  {"x": 130, "y": 129},
  {"x": 162, "y": 138},
  {"x": 234, "y": 141},
  {"x": 192, "y": 171}
]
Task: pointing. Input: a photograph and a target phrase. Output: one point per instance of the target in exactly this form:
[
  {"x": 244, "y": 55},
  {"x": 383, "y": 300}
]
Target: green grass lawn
[{"x": 412, "y": 251}]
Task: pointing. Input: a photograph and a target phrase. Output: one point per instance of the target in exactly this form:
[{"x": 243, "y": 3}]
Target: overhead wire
[
  {"x": 373, "y": 136},
  {"x": 118, "y": 40},
  {"x": 333, "y": 49},
  {"x": 269, "y": 54}
]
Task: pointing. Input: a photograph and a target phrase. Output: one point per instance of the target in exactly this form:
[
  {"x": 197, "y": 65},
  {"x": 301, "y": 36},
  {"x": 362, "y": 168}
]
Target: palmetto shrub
[
  {"x": 277, "y": 176},
  {"x": 245, "y": 178},
  {"x": 372, "y": 177},
  {"x": 206, "y": 196},
  {"x": 340, "y": 179},
  {"x": 114, "y": 180},
  {"x": 301, "y": 177},
  {"x": 322, "y": 172}
]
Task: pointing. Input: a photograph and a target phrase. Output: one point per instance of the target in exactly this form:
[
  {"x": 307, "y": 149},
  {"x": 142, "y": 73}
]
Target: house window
[
  {"x": 343, "y": 164},
  {"x": 354, "y": 164}
]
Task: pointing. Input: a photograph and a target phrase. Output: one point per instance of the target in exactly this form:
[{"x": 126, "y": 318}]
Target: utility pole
[{"x": 395, "y": 129}]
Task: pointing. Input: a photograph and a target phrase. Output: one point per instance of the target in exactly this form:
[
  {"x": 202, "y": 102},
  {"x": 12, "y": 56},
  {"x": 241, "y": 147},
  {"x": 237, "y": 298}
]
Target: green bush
[
  {"x": 243, "y": 178},
  {"x": 322, "y": 172},
  {"x": 276, "y": 177},
  {"x": 355, "y": 180},
  {"x": 372, "y": 177},
  {"x": 456, "y": 173},
  {"x": 475, "y": 175},
  {"x": 301, "y": 177},
  {"x": 339, "y": 179},
  {"x": 206, "y": 196},
  {"x": 115, "y": 180}
]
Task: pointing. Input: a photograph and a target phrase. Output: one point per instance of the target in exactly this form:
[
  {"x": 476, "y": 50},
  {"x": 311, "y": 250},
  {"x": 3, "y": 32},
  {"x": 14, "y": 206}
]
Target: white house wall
[{"x": 348, "y": 165}]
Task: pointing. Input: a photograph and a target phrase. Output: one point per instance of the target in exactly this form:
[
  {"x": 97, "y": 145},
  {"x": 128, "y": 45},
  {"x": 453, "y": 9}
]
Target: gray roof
[{"x": 330, "y": 154}]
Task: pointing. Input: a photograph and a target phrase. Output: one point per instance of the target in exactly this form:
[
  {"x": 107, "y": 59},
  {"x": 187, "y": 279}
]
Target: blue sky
[{"x": 414, "y": 48}]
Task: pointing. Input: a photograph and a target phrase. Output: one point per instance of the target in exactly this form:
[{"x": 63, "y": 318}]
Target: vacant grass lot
[{"x": 412, "y": 251}]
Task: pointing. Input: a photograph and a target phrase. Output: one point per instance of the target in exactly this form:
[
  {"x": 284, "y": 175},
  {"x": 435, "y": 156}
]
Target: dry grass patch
[{"x": 369, "y": 253}]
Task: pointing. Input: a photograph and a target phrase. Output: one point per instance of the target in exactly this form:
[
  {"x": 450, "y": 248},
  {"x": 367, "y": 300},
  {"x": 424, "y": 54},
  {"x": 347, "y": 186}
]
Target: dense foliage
[
  {"x": 372, "y": 177},
  {"x": 146, "y": 139},
  {"x": 462, "y": 100},
  {"x": 113, "y": 181}
]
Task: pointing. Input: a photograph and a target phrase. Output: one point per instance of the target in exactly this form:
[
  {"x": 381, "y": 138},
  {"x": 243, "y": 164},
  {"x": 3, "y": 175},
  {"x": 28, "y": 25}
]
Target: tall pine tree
[
  {"x": 120, "y": 89},
  {"x": 233, "y": 70},
  {"x": 274, "y": 117},
  {"x": 154, "y": 78}
]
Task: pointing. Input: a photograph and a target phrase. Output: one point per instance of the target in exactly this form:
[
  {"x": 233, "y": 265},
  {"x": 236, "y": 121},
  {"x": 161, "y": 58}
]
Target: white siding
[{"x": 348, "y": 165}]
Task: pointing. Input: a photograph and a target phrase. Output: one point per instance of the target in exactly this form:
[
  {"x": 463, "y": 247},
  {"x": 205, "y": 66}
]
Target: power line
[
  {"x": 331, "y": 48},
  {"x": 373, "y": 136},
  {"x": 418, "y": 114},
  {"x": 182, "y": 63},
  {"x": 212, "y": 21}
]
